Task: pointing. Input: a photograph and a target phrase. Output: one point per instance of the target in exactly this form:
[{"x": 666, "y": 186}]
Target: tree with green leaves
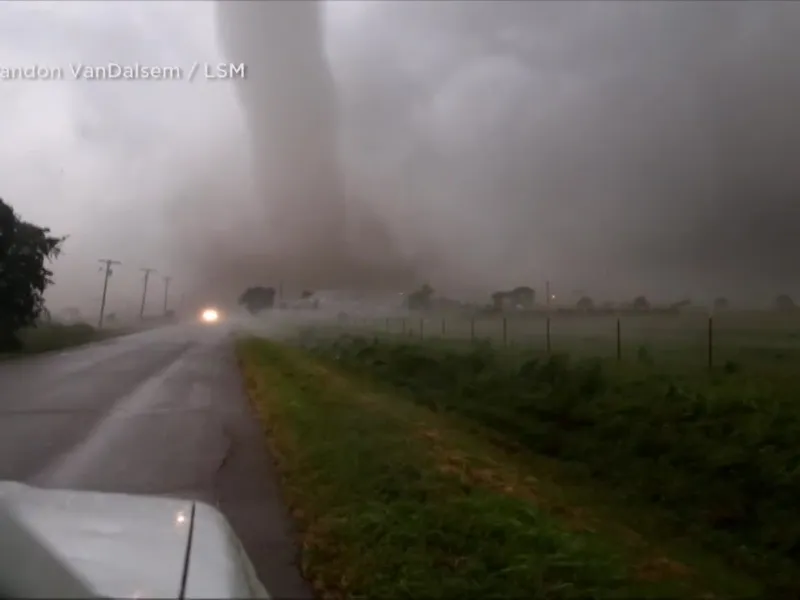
[
  {"x": 585, "y": 303},
  {"x": 784, "y": 302},
  {"x": 256, "y": 299},
  {"x": 25, "y": 251},
  {"x": 641, "y": 303},
  {"x": 421, "y": 299}
]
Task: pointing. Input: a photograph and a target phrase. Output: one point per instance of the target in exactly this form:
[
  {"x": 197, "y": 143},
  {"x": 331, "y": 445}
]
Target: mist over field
[{"x": 613, "y": 147}]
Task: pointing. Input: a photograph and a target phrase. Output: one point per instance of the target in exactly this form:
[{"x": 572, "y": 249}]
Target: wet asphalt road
[{"x": 157, "y": 412}]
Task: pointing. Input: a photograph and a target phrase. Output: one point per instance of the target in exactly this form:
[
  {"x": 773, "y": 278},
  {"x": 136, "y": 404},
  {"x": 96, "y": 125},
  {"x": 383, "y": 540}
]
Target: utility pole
[
  {"x": 167, "y": 279},
  {"x": 108, "y": 262},
  {"x": 147, "y": 272},
  {"x": 547, "y": 292}
]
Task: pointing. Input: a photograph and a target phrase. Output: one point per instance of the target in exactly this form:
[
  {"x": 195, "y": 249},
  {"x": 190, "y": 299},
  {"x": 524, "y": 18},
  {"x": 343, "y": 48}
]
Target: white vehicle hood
[{"x": 127, "y": 546}]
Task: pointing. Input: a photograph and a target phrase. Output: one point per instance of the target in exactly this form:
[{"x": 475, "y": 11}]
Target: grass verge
[
  {"x": 55, "y": 336},
  {"x": 395, "y": 500},
  {"x": 714, "y": 456}
]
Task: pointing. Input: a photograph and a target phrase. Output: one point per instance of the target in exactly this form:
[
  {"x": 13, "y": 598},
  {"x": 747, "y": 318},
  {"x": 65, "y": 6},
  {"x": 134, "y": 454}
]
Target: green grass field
[
  {"x": 763, "y": 337},
  {"x": 395, "y": 500},
  {"x": 699, "y": 466},
  {"x": 54, "y": 336}
]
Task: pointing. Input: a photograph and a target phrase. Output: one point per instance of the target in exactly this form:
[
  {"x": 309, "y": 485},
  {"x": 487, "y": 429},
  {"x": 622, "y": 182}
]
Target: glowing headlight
[{"x": 210, "y": 315}]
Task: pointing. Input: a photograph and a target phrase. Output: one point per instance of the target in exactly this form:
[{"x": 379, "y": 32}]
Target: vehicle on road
[
  {"x": 210, "y": 315},
  {"x": 74, "y": 544}
]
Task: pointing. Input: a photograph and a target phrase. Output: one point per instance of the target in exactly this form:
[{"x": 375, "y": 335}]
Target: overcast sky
[
  {"x": 621, "y": 148},
  {"x": 100, "y": 160}
]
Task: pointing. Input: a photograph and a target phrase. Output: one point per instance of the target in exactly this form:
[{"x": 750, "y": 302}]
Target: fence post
[
  {"x": 421, "y": 328},
  {"x": 710, "y": 342},
  {"x": 548, "y": 335},
  {"x": 444, "y": 327},
  {"x": 505, "y": 331},
  {"x": 619, "y": 340},
  {"x": 472, "y": 329}
]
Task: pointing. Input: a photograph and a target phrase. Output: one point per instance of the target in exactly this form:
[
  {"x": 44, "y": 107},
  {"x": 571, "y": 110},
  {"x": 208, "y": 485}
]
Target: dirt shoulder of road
[{"x": 393, "y": 499}]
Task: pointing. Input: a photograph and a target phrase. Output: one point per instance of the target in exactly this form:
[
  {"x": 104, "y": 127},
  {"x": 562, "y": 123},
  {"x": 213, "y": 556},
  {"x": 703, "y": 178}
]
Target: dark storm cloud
[
  {"x": 619, "y": 147},
  {"x": 616, "y": 147}
]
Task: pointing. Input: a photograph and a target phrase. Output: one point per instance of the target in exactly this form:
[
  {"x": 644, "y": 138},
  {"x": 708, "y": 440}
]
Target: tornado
[
  {"x": 290, "y": 102},
  {"x": 289, "y": 99}
]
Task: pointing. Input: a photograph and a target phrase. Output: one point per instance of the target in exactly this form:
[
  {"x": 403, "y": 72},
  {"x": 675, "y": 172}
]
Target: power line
[
  {"x": 108, "y": 262},
  {"x": 147, "y": 272},
  {"x": 167, "y": 279}
]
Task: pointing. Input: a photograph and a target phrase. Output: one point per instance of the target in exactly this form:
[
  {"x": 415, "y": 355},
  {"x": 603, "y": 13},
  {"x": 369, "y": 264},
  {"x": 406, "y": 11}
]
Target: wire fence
[{"x": 697, "y": 338}]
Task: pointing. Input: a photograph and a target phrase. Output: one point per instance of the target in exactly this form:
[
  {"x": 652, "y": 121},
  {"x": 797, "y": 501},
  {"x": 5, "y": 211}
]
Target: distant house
[
  {"x": 523, "y": 297},
  {"x": 500, "y": 300},
  {"x": 519, "y": 298}
]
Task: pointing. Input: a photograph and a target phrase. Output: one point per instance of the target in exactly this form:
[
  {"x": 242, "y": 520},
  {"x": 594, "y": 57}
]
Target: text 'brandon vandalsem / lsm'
[{"x": 123, "y": 72}]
